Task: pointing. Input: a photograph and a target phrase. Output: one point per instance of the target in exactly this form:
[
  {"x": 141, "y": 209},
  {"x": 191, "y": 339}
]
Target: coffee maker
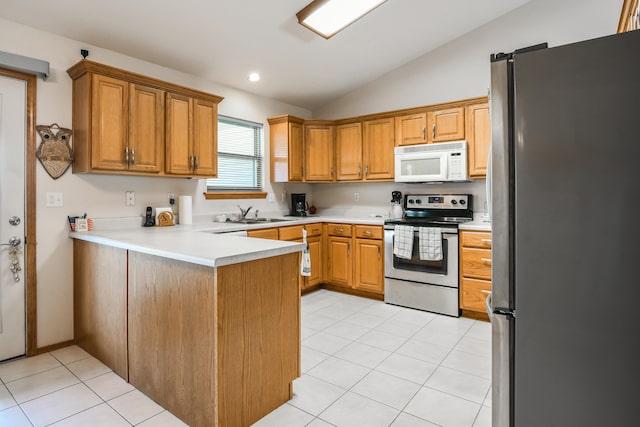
[{"x": 298, "y": 204}]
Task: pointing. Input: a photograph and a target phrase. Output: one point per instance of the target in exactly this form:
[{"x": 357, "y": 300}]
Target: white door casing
[{"x": 13, "y": 137}]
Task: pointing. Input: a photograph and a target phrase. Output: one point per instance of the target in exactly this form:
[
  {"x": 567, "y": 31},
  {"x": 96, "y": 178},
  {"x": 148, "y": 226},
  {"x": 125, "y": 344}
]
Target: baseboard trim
[{"x": 52, "y": 347}]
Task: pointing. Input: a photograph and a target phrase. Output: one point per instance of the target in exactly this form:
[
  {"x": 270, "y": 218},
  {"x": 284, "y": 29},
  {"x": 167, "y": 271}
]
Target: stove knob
[
  {"x": 453, "y": 202},
  {"x": 462, "y": 202},
  {"x": 410, "y": 201},
  {"x": 418, "y": 201}
]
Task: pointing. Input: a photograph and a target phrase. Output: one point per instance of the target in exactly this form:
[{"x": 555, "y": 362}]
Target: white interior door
[{"x": 13, "y": 98}]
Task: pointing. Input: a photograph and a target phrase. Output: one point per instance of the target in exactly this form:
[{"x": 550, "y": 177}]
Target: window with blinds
[{"x": 239, "y": 156}]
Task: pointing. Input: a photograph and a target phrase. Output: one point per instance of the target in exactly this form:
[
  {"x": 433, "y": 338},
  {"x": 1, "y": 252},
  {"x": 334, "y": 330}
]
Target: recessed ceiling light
[
  {"x": 253, "y": 77},
  {"x": 327, "y": 17}
]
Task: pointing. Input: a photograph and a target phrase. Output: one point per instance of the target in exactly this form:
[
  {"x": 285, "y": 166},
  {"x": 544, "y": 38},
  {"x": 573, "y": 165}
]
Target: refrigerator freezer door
[
  {"x": 576, "y": 228},
  {"x": 501, "y": 184},
  {"x": 501, "y": 369}
]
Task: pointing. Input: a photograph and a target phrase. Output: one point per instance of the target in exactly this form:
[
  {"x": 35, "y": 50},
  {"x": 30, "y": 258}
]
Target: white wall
[
  {"x": 103, "y": 195},
  {"x": 460, "y": 70}
]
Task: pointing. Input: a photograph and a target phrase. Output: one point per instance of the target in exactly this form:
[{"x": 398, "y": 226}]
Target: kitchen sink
[{"x": 257, "y": 220}]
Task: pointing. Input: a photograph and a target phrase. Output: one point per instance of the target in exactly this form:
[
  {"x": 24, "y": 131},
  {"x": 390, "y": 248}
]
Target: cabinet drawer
[
  {"x": 476, "y": 239},
  {"x": 369, "y": 231},
  {"x": 265, "y": 233},
  {"x": 313, "y": 229},
  {"x": 473, "y": 294},
  {"x": 292, "y": 232},
  {"x": 339, "y": 230},
  {"x": 476, "y": 263}
]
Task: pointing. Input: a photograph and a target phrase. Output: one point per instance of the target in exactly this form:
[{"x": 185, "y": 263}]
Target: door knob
[
  {"x": 14, "y": 220},
  {"x": 14, "y": 241}
]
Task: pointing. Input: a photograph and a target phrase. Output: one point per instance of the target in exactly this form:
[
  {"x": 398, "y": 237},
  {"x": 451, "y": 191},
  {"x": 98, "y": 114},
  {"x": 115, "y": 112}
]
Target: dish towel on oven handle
[
  {"x": 403, "y": 241},
  {"x": 430, "y": 243}
]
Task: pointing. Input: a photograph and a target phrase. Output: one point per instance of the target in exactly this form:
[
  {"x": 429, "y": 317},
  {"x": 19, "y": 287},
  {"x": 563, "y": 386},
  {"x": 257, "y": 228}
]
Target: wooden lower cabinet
[
  {"x": 475, "y": 272},
  {"x": 214, "y": 346},
  {"x": 264, "y": 233},
  {"x": 355, "y": 257}
]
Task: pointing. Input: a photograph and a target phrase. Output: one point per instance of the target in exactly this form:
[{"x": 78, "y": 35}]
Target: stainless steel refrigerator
[{"x": 565, "y": 192}]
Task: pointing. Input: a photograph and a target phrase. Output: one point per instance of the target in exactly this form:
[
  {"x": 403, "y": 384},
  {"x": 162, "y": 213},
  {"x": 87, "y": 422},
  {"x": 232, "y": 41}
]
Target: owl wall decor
[{"x": 54, "y": 151}]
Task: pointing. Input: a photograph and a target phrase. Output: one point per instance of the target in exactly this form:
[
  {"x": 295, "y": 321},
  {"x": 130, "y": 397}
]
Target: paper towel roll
[{"x": 185, "y": 214}]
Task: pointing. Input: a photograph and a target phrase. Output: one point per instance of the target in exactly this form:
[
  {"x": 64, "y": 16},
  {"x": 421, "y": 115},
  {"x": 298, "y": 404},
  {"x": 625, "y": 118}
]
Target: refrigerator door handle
[{"x": 501, "y": 369}]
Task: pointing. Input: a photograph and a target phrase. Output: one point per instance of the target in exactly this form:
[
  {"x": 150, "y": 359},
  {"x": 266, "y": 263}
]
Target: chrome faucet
[{"x": 244, "y": 212}]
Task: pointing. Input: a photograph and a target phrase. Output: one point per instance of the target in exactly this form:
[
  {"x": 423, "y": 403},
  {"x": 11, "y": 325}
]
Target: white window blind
[{"x": 239, "y": 156}]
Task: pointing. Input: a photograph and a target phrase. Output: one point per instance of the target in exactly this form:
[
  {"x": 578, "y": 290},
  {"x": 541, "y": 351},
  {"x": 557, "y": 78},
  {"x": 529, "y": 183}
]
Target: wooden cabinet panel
[
  {"x": 476, "y": 239},
  {"x": 369, "y": 266},
  {"x": 411, "y": 129},
  {"x": 335, "y": 229},
  {"x": 146, "y": 129},
  {"x": 473, "y": 294},
  {"x": 178, "y": 135},
  {"x": 478, "y": 131},
  {"x": 313, "y": 229},
  {"x": 100, "y": 303},
  {"x": 318, "y": 153},
  {"x": 109, "y": 127},
  {"x": 629, "y": 16},
  {"x": 264, "y": 233},
  {"x": 340, "y": 268},
  {"x": 205, "y": 141},
  {"x": 446, "y": 124},
  {"x": 315, "y": 253},
  {"x": 369, "y": 231},
  {"x": 378, "y": 149},
  {"x": 286, "y": 148},
  {"x": 476, "y": 263},
  {"x": 349, "y": 151},
  {"x": 293, "y": 232}
]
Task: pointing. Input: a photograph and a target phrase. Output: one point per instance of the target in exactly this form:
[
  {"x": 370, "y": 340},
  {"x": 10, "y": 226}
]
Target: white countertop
[
  {"x": 478, "y": 224},
  {"x": 206, "y": 243}
]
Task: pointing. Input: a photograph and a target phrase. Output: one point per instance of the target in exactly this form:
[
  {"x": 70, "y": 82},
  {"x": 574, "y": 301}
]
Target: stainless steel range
[{"x": 421, "y": 252}]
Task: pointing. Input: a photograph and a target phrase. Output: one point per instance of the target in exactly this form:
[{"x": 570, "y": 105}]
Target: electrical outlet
[
  {"x": 130, "y": 198},
  {"x": 172, "y": 199},
  {"x": 271, "y": 198},
  {"x": 356, "y": 197},
  {"x": 284, "y": 195}
]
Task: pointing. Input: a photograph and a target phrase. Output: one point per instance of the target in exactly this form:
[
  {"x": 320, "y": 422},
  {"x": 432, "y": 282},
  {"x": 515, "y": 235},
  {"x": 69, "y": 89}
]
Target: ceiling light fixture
[
  {"x": 328, "y": 17},
  {"x": 253, "y": 77}
]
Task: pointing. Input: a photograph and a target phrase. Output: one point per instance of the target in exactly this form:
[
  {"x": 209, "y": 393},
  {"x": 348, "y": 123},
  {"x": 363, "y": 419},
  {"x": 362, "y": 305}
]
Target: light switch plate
[{"x": 55, "y": 199}]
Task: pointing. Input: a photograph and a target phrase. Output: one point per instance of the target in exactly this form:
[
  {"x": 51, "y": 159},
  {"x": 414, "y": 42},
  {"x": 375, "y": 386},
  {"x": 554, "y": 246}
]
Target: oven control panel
[{"x": 437, "y": 201}]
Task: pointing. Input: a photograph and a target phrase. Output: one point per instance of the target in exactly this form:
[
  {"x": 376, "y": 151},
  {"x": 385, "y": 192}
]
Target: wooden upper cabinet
[
  {"x": 629, "y": 16},
  {"x": 146, "y": 128},
  {"x": 411, "y": 129},
  {"x": 286, "y": 135},
  {"x": 179, "y": 123},
  {"x": 445, "y": 125},
  {"x": 127, "y": 123},
  {"x": 205, "y": 138},
  {"x": 349, "y": 152},
  {"x": 377, "y": 152},
  {"x": 109, "y": 123},
  {"x": 478, "y": 131},
  {"x": 192, "y": 127},
  {"x": 318, "y": 152}
]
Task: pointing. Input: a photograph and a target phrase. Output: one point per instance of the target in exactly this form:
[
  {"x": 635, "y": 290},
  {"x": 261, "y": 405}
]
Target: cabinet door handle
[
  {"x": 485, "y": 240},
  {"x": 331, "y": 172},
  {"x": 424, "y": 133},
  {"x": 191, "y": 162},
  {"x": 197, "y": 162},
  {"x": 359, "y": 170},
  {"x": 126, "y": 155},
  {"x": 366, "y": 170},
  {"x": 348, "y": 248},
  {"x": 433, "y": 131},
  {"x": 368, "y": 233},
  {"x": 485, "y": 291},
  {"x": 378, "y": 252},
  {"x": 338, "y": 230},
  {"x": 133, "y": 156},
  {"x": 486, "y": 260}
]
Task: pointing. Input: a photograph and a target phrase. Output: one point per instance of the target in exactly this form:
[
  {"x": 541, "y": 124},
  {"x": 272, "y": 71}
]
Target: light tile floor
[{"x": 364, "y": 363}]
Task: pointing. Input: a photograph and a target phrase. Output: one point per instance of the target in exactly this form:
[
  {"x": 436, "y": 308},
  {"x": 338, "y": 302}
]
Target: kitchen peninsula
[{"x": 206, "y": 325}]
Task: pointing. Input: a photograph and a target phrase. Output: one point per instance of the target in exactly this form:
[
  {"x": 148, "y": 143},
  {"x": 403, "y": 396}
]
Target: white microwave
[{"x": 440, "y": 162}]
